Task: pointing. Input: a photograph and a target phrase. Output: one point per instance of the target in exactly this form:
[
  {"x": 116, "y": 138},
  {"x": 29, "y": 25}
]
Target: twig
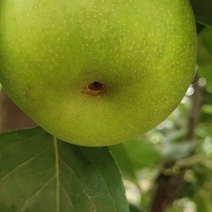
[
  {"x": 168, "y": 187},
  {"x": 11, "y": 117}
]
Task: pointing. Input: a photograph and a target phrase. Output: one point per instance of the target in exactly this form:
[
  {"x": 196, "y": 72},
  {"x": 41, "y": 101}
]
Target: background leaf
[
  {"x": 142, "y": 153},
  {"x": 41, "y": 173},
  {"x": 204, "y": 57},
  {"x": 202, "y": 10},
  {"x": 121, "y": 156}
]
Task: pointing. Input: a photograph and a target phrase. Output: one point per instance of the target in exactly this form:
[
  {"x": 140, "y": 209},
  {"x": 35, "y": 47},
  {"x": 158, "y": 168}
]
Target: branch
[
  {"x": 168, "y": 187},
  {"x": 11, "y": 117}
]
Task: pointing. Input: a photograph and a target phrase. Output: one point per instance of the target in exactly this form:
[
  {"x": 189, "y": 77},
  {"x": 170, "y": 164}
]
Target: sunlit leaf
[
  {"x": 207, "y": 108},
  {"x": 203, "y": 200}
]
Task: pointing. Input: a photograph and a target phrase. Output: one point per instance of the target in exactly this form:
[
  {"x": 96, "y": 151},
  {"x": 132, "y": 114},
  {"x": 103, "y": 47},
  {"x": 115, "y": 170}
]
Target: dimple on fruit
[{"x": 95, "y": 72}]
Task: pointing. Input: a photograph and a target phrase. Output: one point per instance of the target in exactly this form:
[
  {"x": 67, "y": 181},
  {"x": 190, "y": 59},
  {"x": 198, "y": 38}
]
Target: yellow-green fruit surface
[{"x": 97, "y": 72}]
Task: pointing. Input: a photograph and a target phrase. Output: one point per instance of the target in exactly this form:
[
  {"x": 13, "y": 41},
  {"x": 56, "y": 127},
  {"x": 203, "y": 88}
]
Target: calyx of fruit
[{"x": 94, "y": 89}]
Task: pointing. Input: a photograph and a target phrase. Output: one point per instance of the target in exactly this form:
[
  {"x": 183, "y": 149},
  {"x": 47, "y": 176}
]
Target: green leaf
[
  {"x": 142, "y": 153},
  {"x": 204, "y": 57},
  {"x": 39, "y": 173},
  {"x": 134, "y": 208},
  {"x": 203, "y": 200},
  {"x": 207, "y": 109},
  {"x": 202, "y": 10},
  {"x": 122, "y": 158}
]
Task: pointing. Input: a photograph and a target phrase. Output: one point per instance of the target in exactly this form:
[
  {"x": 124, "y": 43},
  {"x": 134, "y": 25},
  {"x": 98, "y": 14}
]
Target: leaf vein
[
  {"x": 4, "y": 177},
  {"x": 20, "y": 141},
  {"x": 109, "y": 194},
  {"x": 26, "y": 202},
  {"x": 57, "y": 174},
  {"x": 67, "y": 196},
  {"x": 81, "y": 184}
]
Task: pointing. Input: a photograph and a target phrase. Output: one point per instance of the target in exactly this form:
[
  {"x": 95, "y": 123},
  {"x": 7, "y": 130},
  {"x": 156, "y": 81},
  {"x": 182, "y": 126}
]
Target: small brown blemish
[{"x": 94, "y": 89}]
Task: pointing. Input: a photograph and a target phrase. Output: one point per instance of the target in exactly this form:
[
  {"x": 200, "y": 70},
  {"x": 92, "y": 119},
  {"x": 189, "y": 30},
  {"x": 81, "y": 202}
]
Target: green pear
[{"x": 97, "y": 72}]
